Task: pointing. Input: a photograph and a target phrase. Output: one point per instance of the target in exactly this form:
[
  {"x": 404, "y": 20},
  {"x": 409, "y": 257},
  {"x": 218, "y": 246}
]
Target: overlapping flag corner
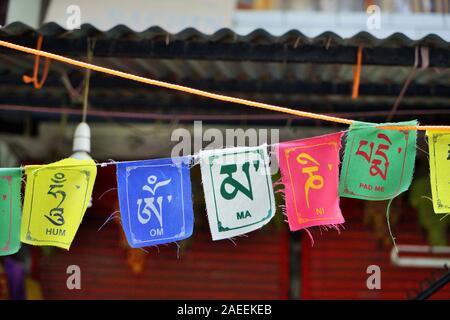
[
  {"x": 56, "y": 198},
  {"x": 378, "y": 163},
  {"x": 310, "y": 173},
  {"x": 155, "y": 200},
  {"x": 10, "y": 210},
  {"x": 238, "y": 190},
  {"x": 439, "y": 157}
]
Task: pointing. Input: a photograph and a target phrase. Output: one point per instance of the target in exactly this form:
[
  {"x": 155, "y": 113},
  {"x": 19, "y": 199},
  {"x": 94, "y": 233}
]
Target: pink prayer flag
[{"x": 310, "y": 174}]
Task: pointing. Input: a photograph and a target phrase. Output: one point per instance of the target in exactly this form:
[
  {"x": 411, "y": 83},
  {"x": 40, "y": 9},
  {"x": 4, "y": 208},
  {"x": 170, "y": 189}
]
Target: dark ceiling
[{"x": 311, "y": 74}]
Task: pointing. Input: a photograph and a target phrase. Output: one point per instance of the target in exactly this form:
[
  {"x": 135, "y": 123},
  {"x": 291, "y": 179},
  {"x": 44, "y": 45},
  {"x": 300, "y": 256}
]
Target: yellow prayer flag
[
  {"x": 439, "y": 146},
  {"x": 56, "y": 198}
]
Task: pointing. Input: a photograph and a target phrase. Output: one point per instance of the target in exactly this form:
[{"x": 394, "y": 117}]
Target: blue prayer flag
[{"x": 155, "y": 200}]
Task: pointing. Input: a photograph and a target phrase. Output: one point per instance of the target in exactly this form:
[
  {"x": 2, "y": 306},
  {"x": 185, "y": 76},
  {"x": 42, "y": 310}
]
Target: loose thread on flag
[
  {"x": 106, "y": 192},
  {"x": 111, "y": 217},
  {"x": 310, "y": 236},
  {"x": 388, "y": 213}
]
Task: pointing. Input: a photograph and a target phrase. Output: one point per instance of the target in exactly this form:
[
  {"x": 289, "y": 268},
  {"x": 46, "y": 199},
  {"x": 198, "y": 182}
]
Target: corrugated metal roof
[
  {"x": 313, "y": 74},
  {"x": 258, "y": 36},
  {"x": 226, "y": 45}
]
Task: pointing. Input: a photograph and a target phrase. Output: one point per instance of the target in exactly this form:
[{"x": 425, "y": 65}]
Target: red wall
[
  {"x": 256, "y": 268},
  {"x": 335, "y": 267}
]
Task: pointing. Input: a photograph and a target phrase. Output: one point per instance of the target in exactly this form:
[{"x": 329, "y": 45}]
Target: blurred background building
[{"x": 298, "y": 54}]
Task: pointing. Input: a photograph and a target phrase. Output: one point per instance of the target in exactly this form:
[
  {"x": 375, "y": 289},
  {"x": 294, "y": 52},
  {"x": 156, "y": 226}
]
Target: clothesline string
[
  {"x": 193, "y": 158},
  {"x": 206, "y": 94}
]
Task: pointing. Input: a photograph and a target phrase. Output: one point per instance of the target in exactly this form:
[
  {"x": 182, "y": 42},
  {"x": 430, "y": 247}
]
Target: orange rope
[
  {"x": 357, "y": 74},
  {"x": 204, "y": 93},
  {"x": 27, "y": 79}
]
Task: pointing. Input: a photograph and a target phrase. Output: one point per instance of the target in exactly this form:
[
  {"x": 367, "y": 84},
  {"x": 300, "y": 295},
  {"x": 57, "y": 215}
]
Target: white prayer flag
[{"x": 238, "y": 190}]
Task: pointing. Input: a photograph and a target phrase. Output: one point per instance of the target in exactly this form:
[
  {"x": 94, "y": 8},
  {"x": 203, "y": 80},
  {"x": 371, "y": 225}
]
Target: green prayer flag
[
  {"x": 10, "y": 210},
  {"x": 378, "y": 164}
]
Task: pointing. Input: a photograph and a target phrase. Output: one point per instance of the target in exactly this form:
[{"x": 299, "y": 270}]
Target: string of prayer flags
[
  {"x": 56, "y": 198},
  {"x": 439, "y": 147},
  {"x": 155, "y": 196},
  {"x": 10, "y": 210},
  {"x": 310, "y": 173},
  {"x": 238, "y": 190},
  {"x": 378, "y": 163},
  {"x": 155, "y": 200}
]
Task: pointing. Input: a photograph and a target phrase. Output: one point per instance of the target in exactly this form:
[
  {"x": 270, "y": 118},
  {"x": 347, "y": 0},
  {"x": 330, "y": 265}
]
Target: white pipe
[{"x": 420, "y": 262}]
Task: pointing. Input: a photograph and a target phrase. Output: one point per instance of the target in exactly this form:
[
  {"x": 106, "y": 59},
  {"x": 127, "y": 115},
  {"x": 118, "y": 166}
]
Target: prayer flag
[
  {"x": 378, "y": 163},
  {"x": 238, "y": 190},
  {"x": 56, "y": 198},
  {"x": 439, "y": 145},
  {"x": 10, "y": 210},
  {"x": 155, "y": 201},
  {"x": 310, "y": 173}
]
